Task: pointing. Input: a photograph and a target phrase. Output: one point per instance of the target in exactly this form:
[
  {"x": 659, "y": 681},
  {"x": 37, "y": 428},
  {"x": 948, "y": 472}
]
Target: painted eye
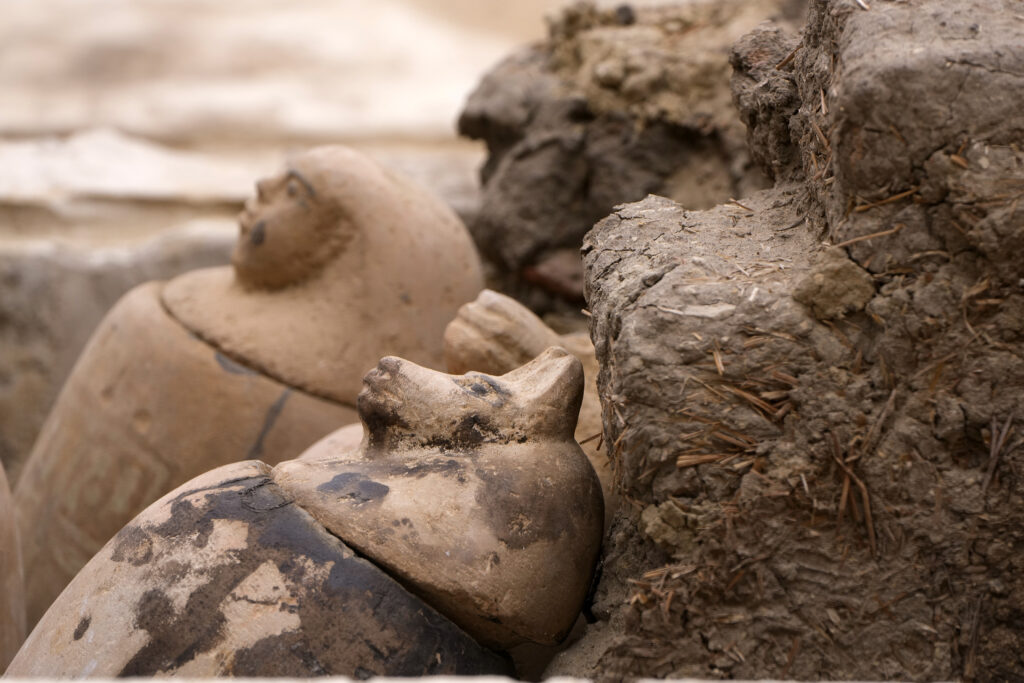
[
  {"x": 483, "y": 387},
  {"x": 478, "y": 389}
]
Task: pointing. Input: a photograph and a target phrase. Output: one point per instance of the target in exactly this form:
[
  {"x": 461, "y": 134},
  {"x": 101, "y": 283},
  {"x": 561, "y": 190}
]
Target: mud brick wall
[{"x": 811, "y": 396}]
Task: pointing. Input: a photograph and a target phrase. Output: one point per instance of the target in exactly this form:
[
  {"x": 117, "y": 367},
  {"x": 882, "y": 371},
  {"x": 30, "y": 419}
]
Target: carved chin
[
  {"x": 268, "y": 271},
  {"x": 254, "y": 263}
]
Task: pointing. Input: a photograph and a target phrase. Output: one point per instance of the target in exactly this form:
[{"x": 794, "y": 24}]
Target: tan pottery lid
[
  {"x": 470, "y": 490},
  {"x": 338, "y": 262}
]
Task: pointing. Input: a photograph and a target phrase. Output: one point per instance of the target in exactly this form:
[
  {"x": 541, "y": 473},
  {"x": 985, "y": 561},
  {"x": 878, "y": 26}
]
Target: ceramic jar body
[
  {"x": 225, "y": 576},
  {"x": 12, "y": 592},
  {"x": 147, "y": 407}
]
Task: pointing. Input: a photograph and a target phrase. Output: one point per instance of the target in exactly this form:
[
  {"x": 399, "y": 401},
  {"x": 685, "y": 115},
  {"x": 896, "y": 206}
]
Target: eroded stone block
[{"x": 813, "y": 390}]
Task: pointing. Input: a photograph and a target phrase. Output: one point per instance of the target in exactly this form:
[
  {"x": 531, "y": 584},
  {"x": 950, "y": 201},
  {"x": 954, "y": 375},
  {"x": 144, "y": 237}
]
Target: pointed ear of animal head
[{"x": 550, "y": 389}]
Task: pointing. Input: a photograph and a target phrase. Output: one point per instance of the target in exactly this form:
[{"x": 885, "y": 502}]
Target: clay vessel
[
  {"x": 338, "y": 263},
  {"x": 495, "y": 333},
  {"x": 258, "y": 360},
  {"x": 467, "y": 517},
  {"x": 12, "y": 598},
  {"x": 472, "y": 490},
  {"x": 223, "y": 576}
]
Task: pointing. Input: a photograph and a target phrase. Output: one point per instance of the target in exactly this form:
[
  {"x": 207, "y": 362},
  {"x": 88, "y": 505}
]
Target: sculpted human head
[
  {"x": 293, "y": 226},
  {"x": 403, "y": 404}
]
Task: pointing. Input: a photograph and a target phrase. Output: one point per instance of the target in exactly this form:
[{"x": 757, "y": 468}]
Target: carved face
[
  {"x": 291, "y": 228},
  {"x": 403, "y": 403}
]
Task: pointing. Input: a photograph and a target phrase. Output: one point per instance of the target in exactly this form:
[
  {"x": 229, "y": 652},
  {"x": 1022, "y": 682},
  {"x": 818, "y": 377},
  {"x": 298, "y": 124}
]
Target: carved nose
[
  {"x": 245, "y": 215},
  {"x": 263, "y": 188}
]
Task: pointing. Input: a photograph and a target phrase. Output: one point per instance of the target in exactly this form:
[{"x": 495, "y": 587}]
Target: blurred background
[
  {"x": 131, "y": 131},
  {"x": 161, "y": 100}
]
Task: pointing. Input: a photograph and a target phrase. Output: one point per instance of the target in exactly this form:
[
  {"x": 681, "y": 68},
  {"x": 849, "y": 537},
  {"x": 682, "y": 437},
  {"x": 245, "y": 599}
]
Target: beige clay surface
[
  {"x": 340, "y": 442},
  {"x": 496, "y": 334}
]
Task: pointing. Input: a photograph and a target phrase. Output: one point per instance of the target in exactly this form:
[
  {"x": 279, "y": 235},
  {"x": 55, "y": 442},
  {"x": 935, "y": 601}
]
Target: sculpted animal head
[
  {"x": 405, "y": 405},
  {"x": 471, "y": 489},
  {"x": 295, "y": 224}
]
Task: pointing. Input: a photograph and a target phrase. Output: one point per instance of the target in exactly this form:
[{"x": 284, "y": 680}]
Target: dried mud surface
[
  {"x": 820, "y": 442},
  {"x": 616, "y": 103}
]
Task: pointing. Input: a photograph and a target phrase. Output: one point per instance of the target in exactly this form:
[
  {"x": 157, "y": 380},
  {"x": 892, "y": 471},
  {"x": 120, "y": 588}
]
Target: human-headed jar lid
[{"x": 337, "y": 263}]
